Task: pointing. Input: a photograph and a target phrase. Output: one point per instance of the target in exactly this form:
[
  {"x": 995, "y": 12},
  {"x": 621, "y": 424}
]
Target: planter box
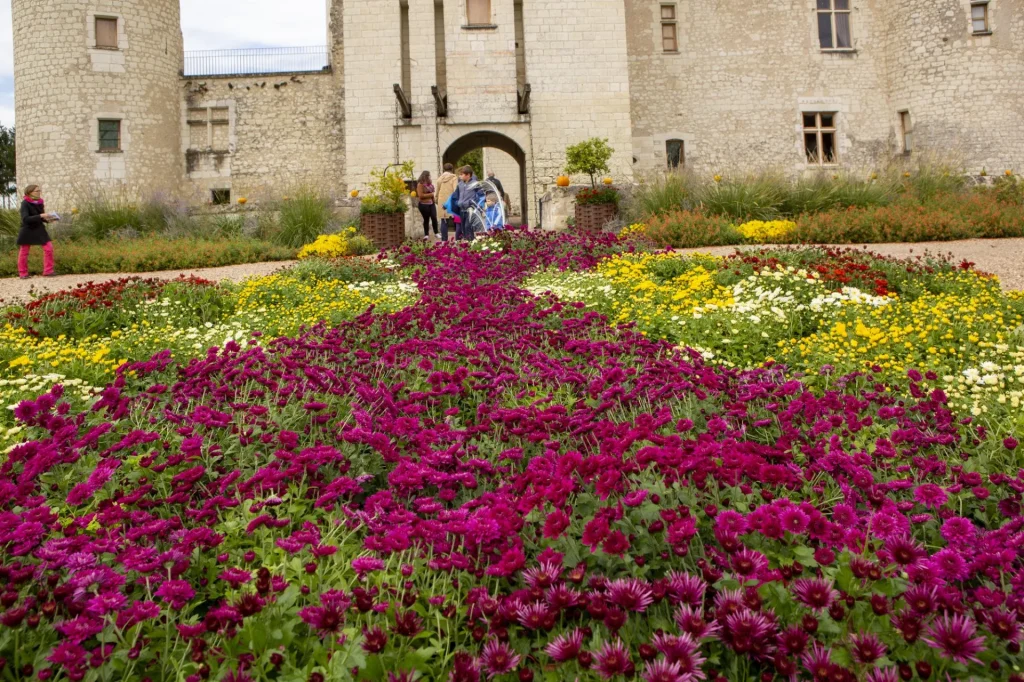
[
  {"x": 385, "y": 230},
  {"x": 593, "y": 217}
]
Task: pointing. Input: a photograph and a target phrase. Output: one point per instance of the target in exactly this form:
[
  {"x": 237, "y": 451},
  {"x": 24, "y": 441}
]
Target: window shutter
[
  {"x": 106, "y": 32},
  {"x": 478, "y": 12}
]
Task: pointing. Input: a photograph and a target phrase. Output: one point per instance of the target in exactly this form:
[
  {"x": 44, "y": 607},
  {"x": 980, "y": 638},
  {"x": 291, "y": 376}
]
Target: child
[{"x": 494, "y": 213}]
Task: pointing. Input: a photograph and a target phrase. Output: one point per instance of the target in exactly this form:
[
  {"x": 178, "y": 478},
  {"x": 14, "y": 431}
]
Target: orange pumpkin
[
  {"x": 562, "y": 181},
  {"x": 354, "y": 193},
  {"x": 242, "y": 200},
  {"x": 607, "y": 180}
]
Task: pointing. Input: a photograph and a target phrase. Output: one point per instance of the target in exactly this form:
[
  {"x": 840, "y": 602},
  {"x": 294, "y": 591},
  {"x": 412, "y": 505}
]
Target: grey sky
[{"x": 207, "y": 25}]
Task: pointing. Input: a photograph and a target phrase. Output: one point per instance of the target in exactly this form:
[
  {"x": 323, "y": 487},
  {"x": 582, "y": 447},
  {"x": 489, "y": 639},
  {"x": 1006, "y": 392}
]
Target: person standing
[
  {"x": 33, "y": 232},
  {"x": 468, "y": 199},
  {"x": 447, "y": 183},
  {"x": 428, "y": 209},
  {"x": 497, "y": 184}
]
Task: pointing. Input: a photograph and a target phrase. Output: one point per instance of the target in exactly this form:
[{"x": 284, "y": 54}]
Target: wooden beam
[{"x": 403, "y": 101}]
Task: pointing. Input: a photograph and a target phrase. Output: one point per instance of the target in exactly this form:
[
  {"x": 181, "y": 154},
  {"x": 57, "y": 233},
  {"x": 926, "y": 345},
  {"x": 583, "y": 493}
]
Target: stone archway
[{"x": 482, "y": 139}]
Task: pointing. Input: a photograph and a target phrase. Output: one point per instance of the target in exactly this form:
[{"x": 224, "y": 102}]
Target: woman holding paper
[{"x": 33, "y": 232}]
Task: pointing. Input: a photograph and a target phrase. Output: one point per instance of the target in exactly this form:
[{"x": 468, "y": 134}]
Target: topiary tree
[{"x": 590, "y": 157}]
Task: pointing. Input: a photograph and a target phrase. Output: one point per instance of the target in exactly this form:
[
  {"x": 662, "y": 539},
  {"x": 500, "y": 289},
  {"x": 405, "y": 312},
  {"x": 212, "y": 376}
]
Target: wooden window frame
[
  {"x": 96, "y": 29},
  {"x": 832, "y": 11},
  {"x": 473, "y": 21},
  {"x": 820, "y": 131},
  {"x": 671, "y": 23},
  {"x": 99, "y": 138},
  {"x": 906, "y": 132},
  {"x": 986, "y": 18},
  {"x": 682, "y": 154}
]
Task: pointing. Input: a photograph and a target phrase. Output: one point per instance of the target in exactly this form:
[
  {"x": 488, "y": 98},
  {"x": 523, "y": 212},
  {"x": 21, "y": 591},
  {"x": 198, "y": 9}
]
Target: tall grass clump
[
  {"x": 825, "y": 193},
  {"x": 303, "y": 217},
  {"x": 10, "y": 222},
  {"x": 662, "y": 194},
  {"x": 751, "y": 197},
  {"x": 107, "y": 213}
]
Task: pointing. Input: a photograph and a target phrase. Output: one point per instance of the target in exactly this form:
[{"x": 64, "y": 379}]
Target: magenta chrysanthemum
[
  {"x": 613, "y": 659},
  {"x": 814, "y": 593},
  {"x": 498, "y": 658},
  {"x": 954, "y": 636},
  {"x": 565, "y": 647},
  {"x": 630, "y": 594}
]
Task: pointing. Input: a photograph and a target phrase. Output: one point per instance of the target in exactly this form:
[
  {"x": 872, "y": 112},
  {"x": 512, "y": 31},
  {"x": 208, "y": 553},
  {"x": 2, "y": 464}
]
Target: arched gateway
[{"x": 484, "y": 139}]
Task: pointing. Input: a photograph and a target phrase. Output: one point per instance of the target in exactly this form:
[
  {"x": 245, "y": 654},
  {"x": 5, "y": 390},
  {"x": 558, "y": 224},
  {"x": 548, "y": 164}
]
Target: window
[
  {"x": 834, "y": 24},
  {"x": 478, "y": 12},
  {"x": 209, "y": 128},
  {"x": 676, "y": 154},
  {"x": 669, "y": 38},
  {"x": 820, "y": 138},
  {"x": 979, "y": 17},
  {"x": 221, "y": 197},
  {"x": 110, "y": 135},
  {"x": 907, "y": 132},
  {"x": 106, "y": 33}
]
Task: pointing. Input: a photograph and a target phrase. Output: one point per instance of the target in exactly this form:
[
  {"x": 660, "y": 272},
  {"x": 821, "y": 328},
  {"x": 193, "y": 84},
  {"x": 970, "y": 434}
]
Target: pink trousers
[{"x": 47, "y": 259}]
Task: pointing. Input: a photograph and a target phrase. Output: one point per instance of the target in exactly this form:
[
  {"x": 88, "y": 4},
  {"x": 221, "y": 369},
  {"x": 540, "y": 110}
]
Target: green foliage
[
  {"x": 303, "y": 218},
  {"x": 107, "y": 213},
  {"x": 687, "y": 229},
  {"x": 360, "y": 245},
  {"x": 341, "y": 270},
  {"x": 10, "y": 222},
  {"x": 149, "y": 254},
  {"x": 589, "y": 197},
  {"x": 661, "y": 194},
  {"x": 1009, "y": 189},
  {"x": 752, "y": 197},
  {"x": 473, "y": 159},
  {"x": 386, "y": 190},
  {"x": 8, "y": 169},
  {"x": 589, "y": 157}
]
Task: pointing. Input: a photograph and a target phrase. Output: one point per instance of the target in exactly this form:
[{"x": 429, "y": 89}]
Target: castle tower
[
  {"x": 97, "y": 97},
  {"x": 956, "y": 79}
]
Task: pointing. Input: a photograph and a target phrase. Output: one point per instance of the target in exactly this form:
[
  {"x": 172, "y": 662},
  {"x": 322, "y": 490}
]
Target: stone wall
[
  {"x": 281, "y": 132},
  {"x": 577, "y": 65},
  {"x": 743, "y": 75},
  {"x": 64, "y": 85},
  {"x": 964, "y": 92}
]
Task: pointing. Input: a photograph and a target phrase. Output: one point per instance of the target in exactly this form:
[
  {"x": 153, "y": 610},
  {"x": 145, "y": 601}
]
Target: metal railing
[{"x": 257, "y": 60}]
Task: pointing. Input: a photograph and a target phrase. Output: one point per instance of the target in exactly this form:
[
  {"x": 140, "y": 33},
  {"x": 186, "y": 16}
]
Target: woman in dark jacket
[{"x": 33, "y": 232}]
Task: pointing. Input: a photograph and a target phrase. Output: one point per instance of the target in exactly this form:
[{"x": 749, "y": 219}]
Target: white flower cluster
[{"x": 998, "y": 380}]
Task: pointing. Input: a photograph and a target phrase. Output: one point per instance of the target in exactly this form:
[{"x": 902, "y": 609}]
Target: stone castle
[{"x": 106, "y": 96}]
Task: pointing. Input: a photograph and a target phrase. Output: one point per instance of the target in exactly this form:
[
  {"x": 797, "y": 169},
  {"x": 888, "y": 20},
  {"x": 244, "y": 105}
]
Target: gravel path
[
  {"x": 14, "y": 290},
  {"x": 1001, "y": 257}
]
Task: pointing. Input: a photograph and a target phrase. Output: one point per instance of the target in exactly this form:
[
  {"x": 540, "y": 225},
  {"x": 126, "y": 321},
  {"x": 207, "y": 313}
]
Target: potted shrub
[
  {"x": 594, "y": 207},
  {"x": 382, "y": 211}
]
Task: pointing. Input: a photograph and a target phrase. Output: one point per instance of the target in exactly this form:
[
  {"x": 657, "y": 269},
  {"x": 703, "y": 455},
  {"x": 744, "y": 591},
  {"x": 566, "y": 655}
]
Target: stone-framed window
[
  {"x": 820, "y": 138},
  {"x": 906, "y": 132},
  {"x": 220, "y": 197},
  {"x": 209, "y": 128},
  {"x": 478, "y": 13},
  {"x": 106, "y": 41},
  {"x": 669, "y": 29},
  {"x": 980, "y": 24},
  {"x": 106, "y": 33},
  {"x": 834, "y": 31},
  {"x": 675, "y": 153},
  {"x": 108, "y": 135}
]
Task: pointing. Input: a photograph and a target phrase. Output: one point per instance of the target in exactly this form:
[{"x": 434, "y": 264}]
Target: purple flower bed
[{"x": 488, "y": 485}]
